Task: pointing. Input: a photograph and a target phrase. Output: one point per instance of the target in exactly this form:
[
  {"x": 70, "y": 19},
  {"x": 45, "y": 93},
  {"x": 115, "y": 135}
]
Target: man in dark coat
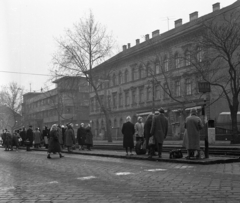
[
  {"x": 81, "y": 136},
  {"x": 29, "y": 137},
  {"x": 159, "y": 130},
  {"x": 23, "y": 135},
  {"x": 128, "y": 131},
  {"x": 147, "y": 135}
]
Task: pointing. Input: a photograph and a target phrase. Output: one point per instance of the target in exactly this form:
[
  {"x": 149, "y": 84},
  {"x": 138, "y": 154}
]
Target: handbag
[{"x": 151, "y": 141}]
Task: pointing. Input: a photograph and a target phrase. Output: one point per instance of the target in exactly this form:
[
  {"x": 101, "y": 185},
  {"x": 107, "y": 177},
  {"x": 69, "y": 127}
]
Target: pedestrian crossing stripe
[
  {"x": 86, "y": 178},
  {"x": 123, "y": 173},
  {"x": 157, "y": 169}
]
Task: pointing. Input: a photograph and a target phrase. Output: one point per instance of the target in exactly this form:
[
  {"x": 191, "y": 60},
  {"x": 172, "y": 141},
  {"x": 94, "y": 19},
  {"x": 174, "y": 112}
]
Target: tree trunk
[
  {"x": 108, "y": 129},
  {"x": 234, "y": 110}
]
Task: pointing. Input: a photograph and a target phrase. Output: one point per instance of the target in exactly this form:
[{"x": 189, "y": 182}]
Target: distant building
[
  {"x": 127, "y": 80},
  {"x": 68, "y": 102},
  {"x": 9, "y": 119}
]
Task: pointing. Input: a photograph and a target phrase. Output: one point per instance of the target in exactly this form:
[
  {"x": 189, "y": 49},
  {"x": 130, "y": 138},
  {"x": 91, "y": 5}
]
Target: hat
[
  {"x": 30, "y": 126},
  {"x": 161, "y": 110},
  {"x": 193, "y": 111}
]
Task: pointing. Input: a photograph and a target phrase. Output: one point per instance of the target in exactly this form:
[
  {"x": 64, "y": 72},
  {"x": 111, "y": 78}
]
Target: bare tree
[
  {"x": 86, "y": 46},
  {"x": 11, "y": 97},
  {"x": 220, "y": 66}
]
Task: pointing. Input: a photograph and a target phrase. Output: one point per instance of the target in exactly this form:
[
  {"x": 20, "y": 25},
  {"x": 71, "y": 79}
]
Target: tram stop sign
[{"x": 204, "y": 87}]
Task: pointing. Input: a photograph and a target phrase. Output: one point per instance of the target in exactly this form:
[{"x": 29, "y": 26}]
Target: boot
[
  {"x": 48, "y": 156},
  {"x": 61, "y": 156}
]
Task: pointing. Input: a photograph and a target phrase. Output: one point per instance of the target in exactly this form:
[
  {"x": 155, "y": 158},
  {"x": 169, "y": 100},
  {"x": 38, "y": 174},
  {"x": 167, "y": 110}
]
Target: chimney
[
  {"x": 178, "y": 22},
  {"x": 193, "y": 16},
  {"x": 129, "y": 45},
  {"x": 155, "y": 33},
  {"x": 137, "y": 41},
  {"x": 146, "y": 37},
  {"x": 216, "y": 6},
  {"x": 124, "y": 47}
]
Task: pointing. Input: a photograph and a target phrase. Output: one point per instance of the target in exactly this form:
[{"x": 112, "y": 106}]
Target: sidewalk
[{"x": 165, "y": 156}]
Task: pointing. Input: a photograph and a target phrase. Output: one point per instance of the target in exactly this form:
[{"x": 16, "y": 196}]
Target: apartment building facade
[
  {"x": 136, "y": 81},
  {"x": 68, "y": 102}
]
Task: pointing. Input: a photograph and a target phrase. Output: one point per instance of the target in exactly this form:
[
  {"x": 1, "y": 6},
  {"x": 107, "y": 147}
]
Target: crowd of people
[
  {"x": 150, "y": 135},
  {"x": 153, "y": 132},
  {"x": 54, "y": 139}
]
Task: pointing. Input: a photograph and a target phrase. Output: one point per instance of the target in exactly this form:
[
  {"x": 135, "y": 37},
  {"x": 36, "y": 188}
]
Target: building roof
[
  {"x": 67, "y": 77},
  {"x": 165, "y": 37}
]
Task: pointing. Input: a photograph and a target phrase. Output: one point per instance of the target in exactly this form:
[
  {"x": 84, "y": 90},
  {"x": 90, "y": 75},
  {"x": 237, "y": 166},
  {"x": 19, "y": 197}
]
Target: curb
[{"x": 142, "y": 157}]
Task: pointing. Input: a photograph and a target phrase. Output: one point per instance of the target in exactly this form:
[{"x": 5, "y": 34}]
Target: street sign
[{"x": 204, "y": 87}]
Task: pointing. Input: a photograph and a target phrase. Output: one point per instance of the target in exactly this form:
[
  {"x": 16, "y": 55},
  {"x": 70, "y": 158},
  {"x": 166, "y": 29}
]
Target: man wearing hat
[
  {"x": 29, "y": 137},
  {"x": 159, "y": 130},
  {"x": 193, "y": 125}
]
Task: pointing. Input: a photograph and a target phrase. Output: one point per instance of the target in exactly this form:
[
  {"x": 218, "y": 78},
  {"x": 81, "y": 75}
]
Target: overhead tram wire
[{"x": 2, "y": 71}]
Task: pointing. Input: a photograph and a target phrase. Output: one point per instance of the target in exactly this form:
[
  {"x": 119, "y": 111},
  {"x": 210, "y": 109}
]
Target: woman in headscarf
[
  {"x": 54, "y": 145},
  {"x": 69, "y": 138}
]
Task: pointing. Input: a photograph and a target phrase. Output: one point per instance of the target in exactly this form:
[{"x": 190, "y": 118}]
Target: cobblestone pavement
[{"x": 31, "y": 177}]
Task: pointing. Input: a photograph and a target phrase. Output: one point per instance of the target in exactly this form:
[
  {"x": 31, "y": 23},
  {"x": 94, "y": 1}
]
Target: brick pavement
[{"x": 31, "y": 177}]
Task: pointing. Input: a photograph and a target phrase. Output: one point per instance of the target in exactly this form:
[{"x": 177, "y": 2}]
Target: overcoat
[
  {"x": 30, "y": 136},
  {"x": 147, "y": 128},
  {"x": 81, "y": 135},
  {"x": 159, "y": 128},
  {"x": 89, "y": 136},
  {"x": 139, "y": 129},
  {"x": 37, "y": 137},
  {"x": 69, "y": 137},
  {"x": 54, "y": 145},
  {"x": 23, "y": 135},
  {"x": 60, "y": 135},
  {"x": 193, "y": 125},
  {"x": 128, "y": 131}
]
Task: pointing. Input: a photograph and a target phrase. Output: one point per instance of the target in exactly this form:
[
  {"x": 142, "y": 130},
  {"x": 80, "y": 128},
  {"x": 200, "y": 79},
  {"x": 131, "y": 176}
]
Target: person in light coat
[
  {"x": 37, "y": 138},
  {"x": 193, "y": 125},
  {"x": 159, "y": 130},
  {"x": 139, "y": 129}
]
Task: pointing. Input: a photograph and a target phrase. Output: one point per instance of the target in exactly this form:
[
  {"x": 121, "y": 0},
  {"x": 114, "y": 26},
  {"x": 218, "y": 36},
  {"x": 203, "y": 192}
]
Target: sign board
[
  {"x": 211, "y": 135},
  {"x": 204, "y": 87}
]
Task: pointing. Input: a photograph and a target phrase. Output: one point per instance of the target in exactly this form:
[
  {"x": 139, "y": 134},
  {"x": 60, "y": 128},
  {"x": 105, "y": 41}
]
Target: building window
[
  {"x": 188, "y": 87},
  {"x": 177, "y": 61},
  {"x": 92, "y": 105},
  {"x": 166, "y": 64},
  {"x": 157, "y": 92},
  {"x": 188, "y": 58},
  {"x": 199, "y": 54},
  {"x": 177, "y": 89},
  {"x": 114, "y": 79},
  {"x": 109, "y": 101},
  {"x": 149, "y": 93},
  {"x": 166, "y": 91},
  {"x": 140, "y": 72},
  {"x": 157, "y": 68},
  {"x": 120, "y": 100},
  {"x": 126, "y": 75},
  {"x": 149, "y": 70},
  {"x": 114, "y": 100},
  {"x": 134, "y": 74},
  {"x": 127, "y": 99},
  {"x": 134, "y": 99},
  {"x": 141, "y": 95},
  {"x": 120, "y": 80}
]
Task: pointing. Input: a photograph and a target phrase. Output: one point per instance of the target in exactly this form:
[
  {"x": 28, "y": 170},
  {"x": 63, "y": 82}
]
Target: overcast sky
[{"x": 28, "y": 29}]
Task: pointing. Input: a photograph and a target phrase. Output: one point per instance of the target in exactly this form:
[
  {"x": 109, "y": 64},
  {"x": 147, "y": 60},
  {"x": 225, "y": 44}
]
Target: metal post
[{"x": 206, "y": 131}]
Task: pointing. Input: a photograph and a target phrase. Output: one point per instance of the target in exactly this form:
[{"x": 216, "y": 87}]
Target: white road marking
[
  {"x": 52, "y": 182},
  {"x": 183, "y": 167},
  {"x": 86, "y": 178},
  {"x": 123, "y": 173},
  {"x": 158, "y": 169},
  {"x": 6, "y": 188}
]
